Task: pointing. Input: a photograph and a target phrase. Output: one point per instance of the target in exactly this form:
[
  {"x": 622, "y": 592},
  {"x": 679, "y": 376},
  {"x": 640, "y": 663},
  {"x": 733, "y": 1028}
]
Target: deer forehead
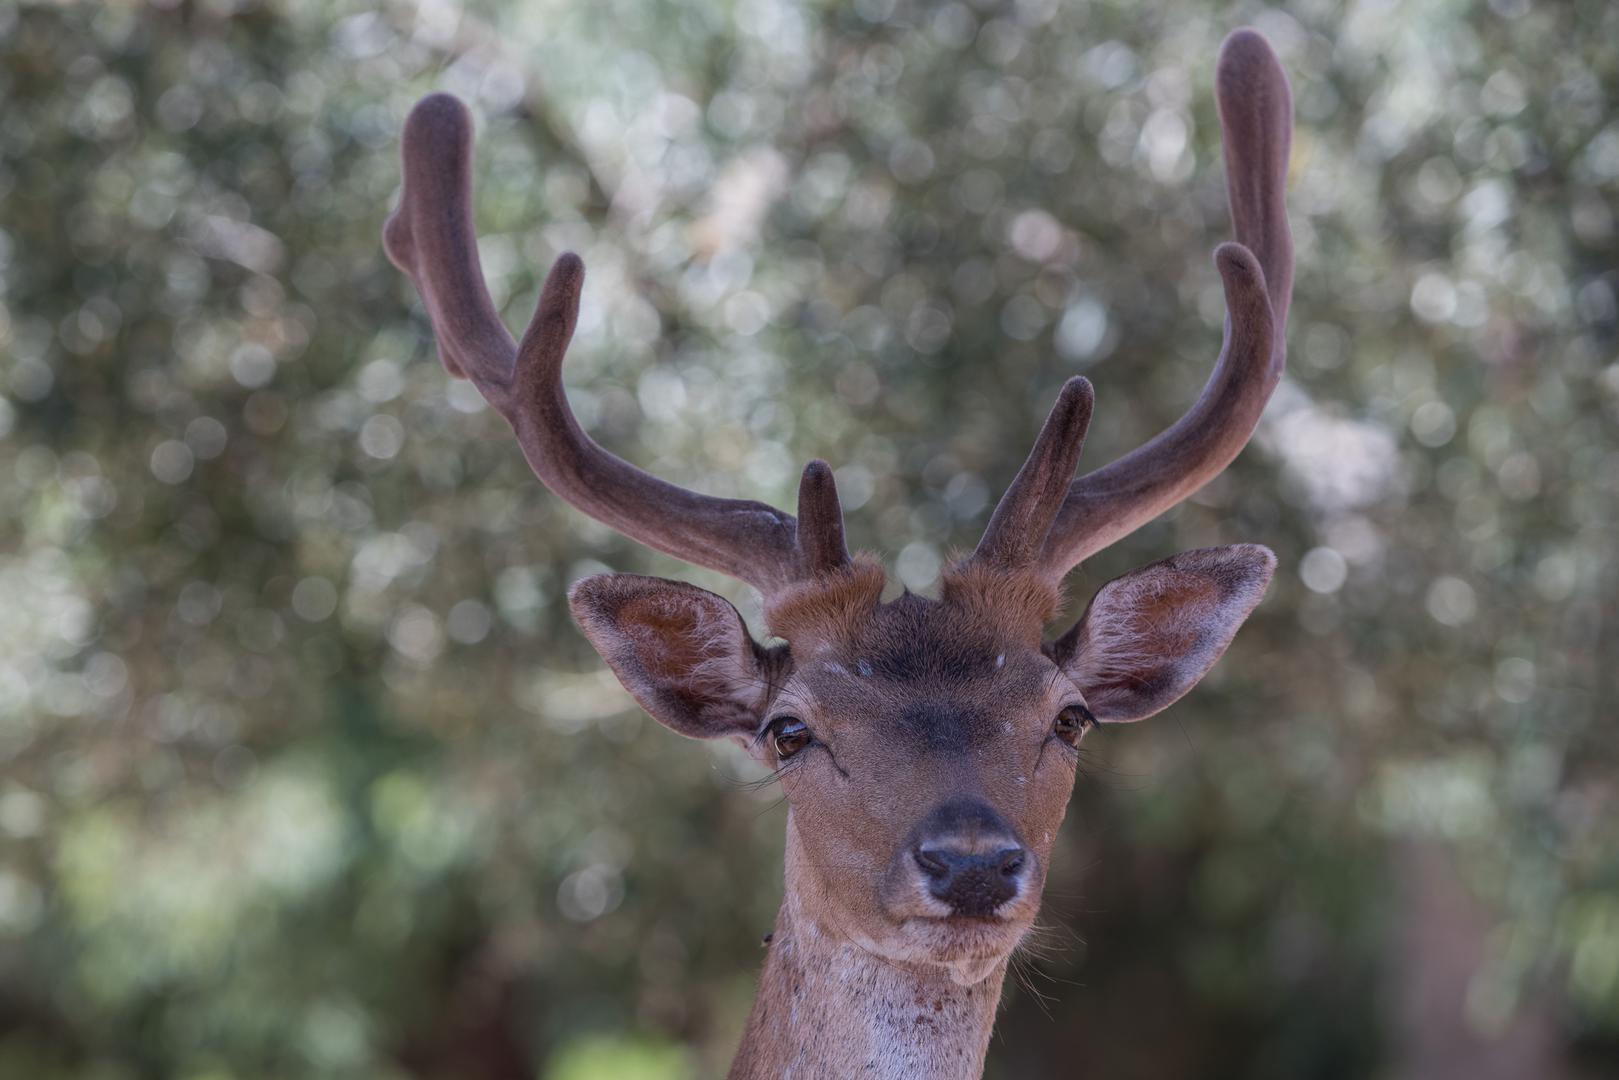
[{"x": 923, "y": 671}]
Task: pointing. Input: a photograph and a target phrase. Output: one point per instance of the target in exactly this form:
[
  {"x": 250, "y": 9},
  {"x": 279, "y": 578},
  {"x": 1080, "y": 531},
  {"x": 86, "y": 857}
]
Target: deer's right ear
[{"x": 682, "y": 652}]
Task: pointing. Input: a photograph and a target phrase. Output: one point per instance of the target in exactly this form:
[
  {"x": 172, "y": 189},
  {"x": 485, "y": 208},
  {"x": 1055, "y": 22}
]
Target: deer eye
[
  {"x": 789, "y": 736},
  {"x": 1072, "y": 723}
]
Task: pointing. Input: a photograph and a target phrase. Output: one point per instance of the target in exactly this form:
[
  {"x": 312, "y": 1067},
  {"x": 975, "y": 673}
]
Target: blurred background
[{"x": 304, "y": 771}]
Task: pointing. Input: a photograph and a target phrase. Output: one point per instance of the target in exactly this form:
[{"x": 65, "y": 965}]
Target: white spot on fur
[
  {"x": 1023, "y": 779},
  {"x": 835, "y": 667},
  {"x": 863, "y": 667},
  {"x": 972, "y": 972},
  {"x": 1000, "y": 661}
]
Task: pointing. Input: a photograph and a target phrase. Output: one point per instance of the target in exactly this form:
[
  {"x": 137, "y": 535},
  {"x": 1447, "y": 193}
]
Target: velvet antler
[
  {"x": 1256, "y": 121},
  {"x": 1045, "y": 521}
]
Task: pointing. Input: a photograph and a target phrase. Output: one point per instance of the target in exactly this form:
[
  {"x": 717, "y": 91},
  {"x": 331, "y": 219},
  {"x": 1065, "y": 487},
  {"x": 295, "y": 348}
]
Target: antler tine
[
  {"x": 1256, "y": 126},
  {"x": 820, "y": 521},
  {"x": 441, "y": 258},
  {"x": 1256, "y": 120},
  {"x": 1024, "y": 515},
  {"x": 430, "y": 237}
]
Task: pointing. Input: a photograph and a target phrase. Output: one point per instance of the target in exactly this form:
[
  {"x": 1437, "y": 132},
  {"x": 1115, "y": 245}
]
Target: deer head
[{"x": 927, "y": 747}]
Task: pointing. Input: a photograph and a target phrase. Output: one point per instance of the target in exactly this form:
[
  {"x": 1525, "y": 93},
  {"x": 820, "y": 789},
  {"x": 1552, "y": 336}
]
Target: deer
[{"x": 926, "y": 747}]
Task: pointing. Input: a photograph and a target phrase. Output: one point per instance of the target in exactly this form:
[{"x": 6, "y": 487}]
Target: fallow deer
[{"x": 927, "y": 748}]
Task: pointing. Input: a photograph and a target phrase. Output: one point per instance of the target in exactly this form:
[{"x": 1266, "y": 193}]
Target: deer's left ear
[
  {"x": 1149, "y": 636},
  {"x": 682, "y": 652}
]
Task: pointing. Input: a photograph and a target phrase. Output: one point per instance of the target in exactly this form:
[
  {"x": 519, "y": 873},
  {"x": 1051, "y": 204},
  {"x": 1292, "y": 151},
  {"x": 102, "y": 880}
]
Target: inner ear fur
[
  {"x": 1149, "y": 636},
  {"x": 682, "y": 652}
]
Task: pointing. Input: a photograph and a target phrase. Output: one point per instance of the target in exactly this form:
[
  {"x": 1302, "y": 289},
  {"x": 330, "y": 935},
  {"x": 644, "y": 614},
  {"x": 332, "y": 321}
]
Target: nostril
[
  {"x": 933, "y": 864},
  {"x": 972, "y": 883}
]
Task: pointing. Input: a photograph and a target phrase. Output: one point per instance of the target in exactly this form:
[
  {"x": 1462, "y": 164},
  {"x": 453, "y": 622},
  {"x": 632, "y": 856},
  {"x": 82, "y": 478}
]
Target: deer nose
[
  {"x": 970, "y": 858},
  {"x": 970, "y": 882}
]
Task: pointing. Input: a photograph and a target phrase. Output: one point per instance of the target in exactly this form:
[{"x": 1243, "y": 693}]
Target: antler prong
[
  {"x": 441, "y": 254},
  {"x": 537, "y": 376},
  {"x": 430, "y": 237},
  {"x": 820, "y": 521},
  {"x": 1025, "y": 513}
]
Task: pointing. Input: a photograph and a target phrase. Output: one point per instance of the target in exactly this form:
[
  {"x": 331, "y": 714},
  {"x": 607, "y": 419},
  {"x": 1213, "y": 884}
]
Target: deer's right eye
[{"x": 789, "y": 736}]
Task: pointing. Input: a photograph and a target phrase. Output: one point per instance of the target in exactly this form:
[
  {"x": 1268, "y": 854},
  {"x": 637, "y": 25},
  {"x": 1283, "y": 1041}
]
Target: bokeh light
[{"x": 303, "y": 769}]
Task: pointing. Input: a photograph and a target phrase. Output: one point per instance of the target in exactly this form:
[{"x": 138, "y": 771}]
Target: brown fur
[
  {"x": 1017, "y": 602},
  {"x": 830, "y": 606}
]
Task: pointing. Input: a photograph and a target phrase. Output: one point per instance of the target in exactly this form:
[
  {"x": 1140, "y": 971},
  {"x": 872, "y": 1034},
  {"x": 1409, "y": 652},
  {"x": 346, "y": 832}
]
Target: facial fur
[{"x": 913, "y": 706}]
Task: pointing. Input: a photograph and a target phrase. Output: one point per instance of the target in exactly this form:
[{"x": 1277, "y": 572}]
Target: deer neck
[{"x": 827, "y": 1007}]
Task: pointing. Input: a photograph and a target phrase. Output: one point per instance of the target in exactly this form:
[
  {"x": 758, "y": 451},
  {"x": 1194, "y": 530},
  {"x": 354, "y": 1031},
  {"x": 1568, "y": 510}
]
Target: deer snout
[{"x": 970, "y": 858}]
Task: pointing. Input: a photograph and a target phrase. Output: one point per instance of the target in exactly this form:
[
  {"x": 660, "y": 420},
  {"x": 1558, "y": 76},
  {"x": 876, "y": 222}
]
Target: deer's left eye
[{"x": 1072, "y": 723}]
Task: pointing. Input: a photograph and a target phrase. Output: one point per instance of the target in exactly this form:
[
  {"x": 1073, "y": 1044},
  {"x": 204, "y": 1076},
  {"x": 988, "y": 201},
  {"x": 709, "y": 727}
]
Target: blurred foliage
[{"x": 304, "y": 772}]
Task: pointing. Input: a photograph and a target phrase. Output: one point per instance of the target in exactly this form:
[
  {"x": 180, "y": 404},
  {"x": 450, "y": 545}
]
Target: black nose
[
  {"x": 970, "y": 858},
  {"x": 972, "y": 884}
]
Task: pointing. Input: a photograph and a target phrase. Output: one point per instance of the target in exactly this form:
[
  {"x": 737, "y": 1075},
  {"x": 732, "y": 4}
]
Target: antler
[
  {"x": 430, "y": 237},
  {"x": 1043, "y": 521},
  {"x": 1024, "y": 516},
  {"x": 1256, "y": 121}
]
